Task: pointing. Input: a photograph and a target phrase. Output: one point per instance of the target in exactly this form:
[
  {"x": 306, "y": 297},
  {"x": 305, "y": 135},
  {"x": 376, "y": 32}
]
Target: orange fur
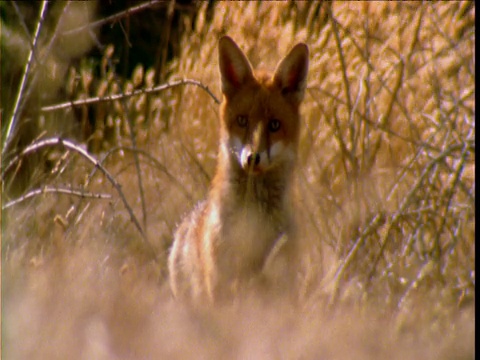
[{"x": 242, "y": 235}]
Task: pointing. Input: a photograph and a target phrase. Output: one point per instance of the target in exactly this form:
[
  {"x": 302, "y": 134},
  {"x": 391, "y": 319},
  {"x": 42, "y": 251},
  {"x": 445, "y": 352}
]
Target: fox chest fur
[
  {"x": 225, "y": 244},
  {"x": 246, "y": 218}
]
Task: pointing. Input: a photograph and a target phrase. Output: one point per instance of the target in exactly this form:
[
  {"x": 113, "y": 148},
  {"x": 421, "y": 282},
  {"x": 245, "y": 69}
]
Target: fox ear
[
  {"x": 235, "y": 68},
  {"x": 291, "y": 73}
]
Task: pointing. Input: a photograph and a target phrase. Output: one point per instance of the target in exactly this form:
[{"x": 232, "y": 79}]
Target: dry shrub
[{"x": 385, "y": 197}]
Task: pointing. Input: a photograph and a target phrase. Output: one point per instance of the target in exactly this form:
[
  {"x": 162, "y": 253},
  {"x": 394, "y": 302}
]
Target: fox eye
[
  {"x": 242, "y": 120},
  {"x": 274, "y": 125}
]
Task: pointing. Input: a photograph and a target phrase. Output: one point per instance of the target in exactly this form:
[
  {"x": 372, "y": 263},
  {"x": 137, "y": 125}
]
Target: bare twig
[
  {"x": 123, "y": 97},
  {"x": 46, "y": 51},
  {"x": 163, "y": 50},
  {"x": 374, "y": 72},
  {"x": 130, "y": 94},
  {"x": 23, "y": 25},
  {"x": 426, "y": 269},
  {"x": 57, "y": 190},
  {"x": 378, "y": 126},
  {"x": 367, "y": 99},
  {"x": 23, "y": 81},
  {"x": 347, "y": 154},
  {"x": 346, "y": 83},
  {"x": 158, "y": 165},
  {"x": 133, "y": 139},
  {"x": 374, "y": 224},
  {"x": 449, "y": 195},
  {"x": 78, "y": 149},
  {"x": 115, "y": 17},
  {"x": 407, "y": 200},
  {"x": 395, "y": 91},
  {"x": 123, "y": 14},
  {"x": 196, "y": 162}
]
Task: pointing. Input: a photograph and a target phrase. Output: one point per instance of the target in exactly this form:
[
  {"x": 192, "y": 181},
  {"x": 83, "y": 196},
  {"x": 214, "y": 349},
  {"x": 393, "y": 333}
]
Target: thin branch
[
  {"x": 130, "y": 124},
  {"x": 338, "y": 42},
  {"x": 130, "y": 94},
  {"x": 348, "y": 33},
  {"x": 450, "y": 191},
  {"x": 131, "y": 127},
  {"x": 162, "y": 57},
  {"x": 46, "y": 51},
  {"x": 58, "y": 190},
  {"x": 123, "y": 97},
  {"x": 426, "y": 269},
  {"x": 113, "y": 18},
  {"x": 407, "y": 200},
  {"x": 26, "y": 73},
  {"x": 123, "y": 14},
  {"x": 346, "y": 84},
  {"x": 77, "y": 148},
  {"x": 23, "y": 24},
  {"x": 367, "y": 99},
  {"x": 381, "y": 126},
  {"x": 395, "y": 91},
  {"x": 196, "y": 162},
  {"x": 158, "y": 165},
  {"x": 377, "y": 221},
  {"x": 343, "y": 147}
]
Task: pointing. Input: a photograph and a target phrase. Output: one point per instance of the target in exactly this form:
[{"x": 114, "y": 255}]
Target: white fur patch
[
  {"x": 277, "y": 150},
  {"x": 236, "y": 147},
  {"x": 242, "y": 151}
]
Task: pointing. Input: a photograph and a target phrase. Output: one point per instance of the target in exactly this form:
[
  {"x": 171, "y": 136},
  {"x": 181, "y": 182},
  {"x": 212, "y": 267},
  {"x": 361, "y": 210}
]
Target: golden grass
[{"x": 386, "y": 198}]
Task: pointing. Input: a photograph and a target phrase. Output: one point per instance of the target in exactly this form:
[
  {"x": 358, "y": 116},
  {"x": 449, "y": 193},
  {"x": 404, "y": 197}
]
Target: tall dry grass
[{"x": 385, "y": 193}]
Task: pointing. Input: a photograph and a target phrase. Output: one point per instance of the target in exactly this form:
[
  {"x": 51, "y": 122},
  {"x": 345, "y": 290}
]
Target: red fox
[{"x": 246, "y": 223}]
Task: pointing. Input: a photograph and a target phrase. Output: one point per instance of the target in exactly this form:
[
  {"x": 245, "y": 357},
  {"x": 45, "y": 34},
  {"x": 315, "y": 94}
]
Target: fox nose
[{"x": 253, "y": 159}]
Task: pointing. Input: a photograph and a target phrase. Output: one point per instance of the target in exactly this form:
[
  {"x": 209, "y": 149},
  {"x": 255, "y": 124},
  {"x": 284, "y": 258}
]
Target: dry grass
[{"x": 386, "y": 194}]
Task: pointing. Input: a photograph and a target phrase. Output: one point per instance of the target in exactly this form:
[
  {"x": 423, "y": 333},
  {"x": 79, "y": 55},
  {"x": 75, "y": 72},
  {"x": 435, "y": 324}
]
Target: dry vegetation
[{"x": 386, "y": 191}]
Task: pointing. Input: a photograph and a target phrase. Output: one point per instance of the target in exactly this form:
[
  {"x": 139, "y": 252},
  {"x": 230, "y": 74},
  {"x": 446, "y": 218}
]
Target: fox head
[{"x": 260, "y": 121}]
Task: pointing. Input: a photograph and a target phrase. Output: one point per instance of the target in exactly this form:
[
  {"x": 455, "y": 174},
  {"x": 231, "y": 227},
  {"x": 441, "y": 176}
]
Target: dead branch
[
  {"x": 346, "y": 82},
  {"x": 408, "y": 198},
  {"x": 377, "y": 221},
  {"x": 130, "y": 94},
  {"x": 57, "y": 190},
  {"x": 78, "y": 149},
  {"x": 158, "y": 165},
  {"x": 133, "y": 138},
  {"x": 123, "y": 14},
  {"x": 26, "y": 73}
]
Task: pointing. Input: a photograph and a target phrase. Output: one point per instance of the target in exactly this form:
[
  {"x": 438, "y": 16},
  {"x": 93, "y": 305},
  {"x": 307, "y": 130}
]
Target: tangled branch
[{"x": 90, "y": 158}]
